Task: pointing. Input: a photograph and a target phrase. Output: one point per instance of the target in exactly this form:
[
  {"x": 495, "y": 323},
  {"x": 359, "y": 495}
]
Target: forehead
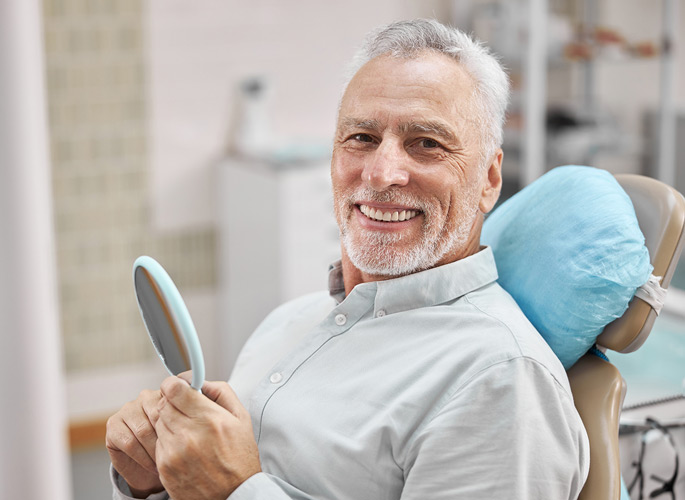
[{"x": 429, "y": 86}]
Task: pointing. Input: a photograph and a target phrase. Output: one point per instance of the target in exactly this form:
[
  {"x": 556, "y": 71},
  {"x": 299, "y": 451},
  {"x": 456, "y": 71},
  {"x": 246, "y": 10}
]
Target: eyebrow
[
  {"x": 422, "y": 127},
  {"x": 373, "y": 125},
  {"x": 430, "y": 127}
]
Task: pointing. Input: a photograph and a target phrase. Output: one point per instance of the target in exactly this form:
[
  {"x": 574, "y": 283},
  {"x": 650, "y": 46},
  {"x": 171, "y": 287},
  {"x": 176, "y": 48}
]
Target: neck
[{"x": 353, "y": 276}]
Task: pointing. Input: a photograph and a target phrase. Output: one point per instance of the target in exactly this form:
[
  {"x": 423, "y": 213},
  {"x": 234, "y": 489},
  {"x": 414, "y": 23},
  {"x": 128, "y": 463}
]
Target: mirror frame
[{"x": 179, "y": 313}]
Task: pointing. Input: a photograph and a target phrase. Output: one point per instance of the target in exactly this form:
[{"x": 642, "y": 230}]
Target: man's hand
[
  {"x": 131, "y": 441},
  {"x": 205, "y": 443}
]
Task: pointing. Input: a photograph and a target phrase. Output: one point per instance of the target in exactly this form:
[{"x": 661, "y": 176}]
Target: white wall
[{"x": 198, "y": 52}]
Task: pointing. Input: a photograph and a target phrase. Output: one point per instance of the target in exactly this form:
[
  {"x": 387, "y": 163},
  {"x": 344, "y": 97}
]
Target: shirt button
[
  {"x": 380, "y": 313},
  {"x": 340, "y": 319},
  {"x": 275, "y": 378}
]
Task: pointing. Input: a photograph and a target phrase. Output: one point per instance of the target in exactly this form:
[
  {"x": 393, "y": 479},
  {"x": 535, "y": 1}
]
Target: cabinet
[{"x": 277, "y": 237}]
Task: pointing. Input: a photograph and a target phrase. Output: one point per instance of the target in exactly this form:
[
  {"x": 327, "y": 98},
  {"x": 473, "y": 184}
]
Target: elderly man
[{"x": 417, "y": 376}]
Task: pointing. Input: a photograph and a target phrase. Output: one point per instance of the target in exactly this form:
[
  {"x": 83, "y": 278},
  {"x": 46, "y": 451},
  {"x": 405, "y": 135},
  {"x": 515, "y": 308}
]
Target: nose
[{"x": 385, "y": 167}]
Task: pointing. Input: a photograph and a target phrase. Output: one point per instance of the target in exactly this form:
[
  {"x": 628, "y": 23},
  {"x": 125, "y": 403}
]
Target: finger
[
  {"x": 150, "y": 401},
  {"x": 126, "y": 466},
  {"x": 165, "y": 436},
  {"x": 224, "y": 395},
  {"x": 121, "y": 440},
  {"x": 164, "y": 433},
  {"x": 139, "y": 420},
  {"x": 171, "y": 417},
  {"x": 183, "y": 397},
  {"x": 146, "y": 436},
  {"x": 153, "y": 413}
]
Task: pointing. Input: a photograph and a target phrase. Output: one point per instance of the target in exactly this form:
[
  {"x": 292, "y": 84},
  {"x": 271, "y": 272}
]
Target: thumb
[
  {"x": 187, "y": 376},
  {"x": 224, "y": 395}
]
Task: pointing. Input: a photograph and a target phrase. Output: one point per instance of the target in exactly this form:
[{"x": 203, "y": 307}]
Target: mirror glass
[{"x": 167, "y": 320}]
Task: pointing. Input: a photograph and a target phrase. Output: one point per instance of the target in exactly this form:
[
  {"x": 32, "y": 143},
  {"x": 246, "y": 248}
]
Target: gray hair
[{"x": 407, "y": 39}]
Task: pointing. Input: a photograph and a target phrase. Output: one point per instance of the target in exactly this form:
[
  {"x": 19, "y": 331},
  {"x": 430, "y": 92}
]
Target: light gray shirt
[{"x": 428, "y": 386}]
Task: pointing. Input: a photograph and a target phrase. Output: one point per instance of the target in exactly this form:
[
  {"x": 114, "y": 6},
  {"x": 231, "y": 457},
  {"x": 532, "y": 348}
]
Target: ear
[{"x": 492, "y": 183}]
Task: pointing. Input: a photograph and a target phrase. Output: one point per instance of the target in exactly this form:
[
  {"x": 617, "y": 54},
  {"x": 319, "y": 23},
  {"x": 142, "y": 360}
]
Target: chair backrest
[{"x": 598, "y": 388}]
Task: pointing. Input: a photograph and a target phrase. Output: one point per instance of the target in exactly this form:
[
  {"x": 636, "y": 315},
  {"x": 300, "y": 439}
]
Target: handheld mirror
[{"x": 167, "y": 320}]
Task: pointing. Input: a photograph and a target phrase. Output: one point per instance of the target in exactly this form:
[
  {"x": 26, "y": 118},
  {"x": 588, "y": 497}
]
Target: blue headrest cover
[{"x": 570, "y": 252}]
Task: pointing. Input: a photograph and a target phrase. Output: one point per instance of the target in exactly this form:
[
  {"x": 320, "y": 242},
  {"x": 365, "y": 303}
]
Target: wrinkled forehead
[
  {"x": 426, "y": 66},
  {"x": 426, "y": 87}
]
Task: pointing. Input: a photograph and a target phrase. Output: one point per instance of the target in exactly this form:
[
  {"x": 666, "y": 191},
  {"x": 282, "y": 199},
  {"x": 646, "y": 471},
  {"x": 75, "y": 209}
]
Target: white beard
[{"x": 375, "y": 252}]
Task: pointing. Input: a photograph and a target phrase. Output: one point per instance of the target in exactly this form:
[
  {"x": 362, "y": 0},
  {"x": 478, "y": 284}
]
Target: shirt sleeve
[{"x": 511, "y": 433}]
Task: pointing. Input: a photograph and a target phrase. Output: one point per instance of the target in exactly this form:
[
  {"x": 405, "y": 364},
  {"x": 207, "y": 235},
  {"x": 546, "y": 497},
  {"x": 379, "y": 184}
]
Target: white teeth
[{"x": 377, "y": 214}]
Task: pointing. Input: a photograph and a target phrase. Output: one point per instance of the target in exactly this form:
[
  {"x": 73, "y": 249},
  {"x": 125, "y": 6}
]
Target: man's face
[{"x": 407, "y": 185}]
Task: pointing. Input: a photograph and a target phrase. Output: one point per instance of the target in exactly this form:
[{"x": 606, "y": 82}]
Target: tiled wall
[{"x": 99, "y": 145}]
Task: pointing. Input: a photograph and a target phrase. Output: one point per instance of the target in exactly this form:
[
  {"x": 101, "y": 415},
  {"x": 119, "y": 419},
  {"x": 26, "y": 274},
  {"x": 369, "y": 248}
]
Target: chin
[{"x": 389, "y": 261}]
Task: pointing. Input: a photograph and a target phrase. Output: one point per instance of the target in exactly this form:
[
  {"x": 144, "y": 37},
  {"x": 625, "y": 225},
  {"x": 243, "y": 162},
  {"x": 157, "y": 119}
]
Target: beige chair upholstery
[{"x": 598, "y": 388}]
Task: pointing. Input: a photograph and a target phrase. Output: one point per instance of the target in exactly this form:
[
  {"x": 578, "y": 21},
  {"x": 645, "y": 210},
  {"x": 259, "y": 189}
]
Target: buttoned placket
[{"x": 338, "y": 321}]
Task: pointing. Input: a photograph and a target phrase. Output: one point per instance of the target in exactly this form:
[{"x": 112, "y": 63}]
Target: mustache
[{"x": 392, "y": 195}]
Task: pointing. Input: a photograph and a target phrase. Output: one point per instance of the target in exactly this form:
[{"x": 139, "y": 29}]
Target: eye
[
  {"x": 362, "y": 137},
  {"x": 429, "y": 143}
]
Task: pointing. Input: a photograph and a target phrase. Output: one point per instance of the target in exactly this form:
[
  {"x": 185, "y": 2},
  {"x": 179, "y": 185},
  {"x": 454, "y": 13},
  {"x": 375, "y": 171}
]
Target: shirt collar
[{"x": 426, "y": 288}]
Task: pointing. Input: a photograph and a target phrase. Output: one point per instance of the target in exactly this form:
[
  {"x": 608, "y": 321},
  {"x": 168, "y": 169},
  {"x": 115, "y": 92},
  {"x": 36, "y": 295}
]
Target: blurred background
[{"x": 200, "y": 133}]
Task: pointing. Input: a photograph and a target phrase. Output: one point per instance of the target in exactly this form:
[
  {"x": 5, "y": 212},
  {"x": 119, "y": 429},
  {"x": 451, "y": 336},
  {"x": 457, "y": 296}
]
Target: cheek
[
  {"x": 463, "y": 206},
  {"x": 345, "y": 173},
  {"x": 341, "y": 189},
  {"x": 453, "y": 202}
]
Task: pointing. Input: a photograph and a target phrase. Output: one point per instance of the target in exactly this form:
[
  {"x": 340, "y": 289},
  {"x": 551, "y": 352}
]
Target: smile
[{"x": 390, "y": 216}]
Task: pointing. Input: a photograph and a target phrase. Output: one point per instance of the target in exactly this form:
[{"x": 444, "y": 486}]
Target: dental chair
[{"x": 598, "y": 388}]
